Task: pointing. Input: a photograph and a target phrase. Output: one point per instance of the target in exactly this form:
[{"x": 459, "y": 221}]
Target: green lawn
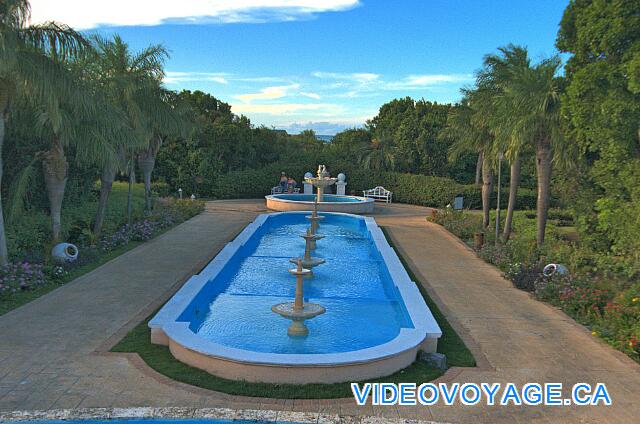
[{"x": 160, "y": 359}]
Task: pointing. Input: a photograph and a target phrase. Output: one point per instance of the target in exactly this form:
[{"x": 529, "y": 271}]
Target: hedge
[{"x": 407, "y": 188}]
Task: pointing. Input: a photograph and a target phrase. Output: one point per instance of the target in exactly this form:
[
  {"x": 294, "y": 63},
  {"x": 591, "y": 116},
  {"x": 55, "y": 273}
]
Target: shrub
[
  {"x": 161, "y": 189},
  {"x": 523, "y": 277},
  {"x": 457, "y": 222},
  {"x": 407, "y": 188}
]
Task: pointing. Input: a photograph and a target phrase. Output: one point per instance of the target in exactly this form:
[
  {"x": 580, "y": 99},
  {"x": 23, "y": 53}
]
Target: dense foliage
[{"x": 602, "y": 106}]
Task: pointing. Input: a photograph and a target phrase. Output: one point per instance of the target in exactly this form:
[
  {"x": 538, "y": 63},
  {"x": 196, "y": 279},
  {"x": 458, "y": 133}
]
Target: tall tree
[
  {"x": 170, "y": 120},
  {"x": 529, "y": 104},
  {"x": 378, "y": 155},
  {"x": 27, "y": 70},
  {"x": 131, "y": 81},
  {"x": 496, "y": 75},
  {"x": 602, "y": 104},
  {"x": 466, "y": 125}
]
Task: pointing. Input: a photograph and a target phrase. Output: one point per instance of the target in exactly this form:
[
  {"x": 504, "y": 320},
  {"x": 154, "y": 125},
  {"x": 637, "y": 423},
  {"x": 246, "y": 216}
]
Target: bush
[
  {"x": 457, "y": 222},
  {"x": 523, "y": 277},
  {"x": 161, "y": 189},
  {"x": 413, "y": 189}
]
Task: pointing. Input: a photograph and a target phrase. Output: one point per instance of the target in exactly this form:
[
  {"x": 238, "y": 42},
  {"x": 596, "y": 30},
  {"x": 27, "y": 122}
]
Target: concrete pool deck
[{"x": 52, "y": 350}]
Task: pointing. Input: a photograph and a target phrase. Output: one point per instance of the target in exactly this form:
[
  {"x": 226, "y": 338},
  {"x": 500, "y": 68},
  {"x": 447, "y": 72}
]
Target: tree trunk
[
  {"x": 487, "y": 187},
  {"x": 514, "y": 180},
  {"x": 106, "y": 182},
  {"x": 132, "y": 181},
  {"x": 479, "y": 168},
  {"x": 4, "y": 254},
  {"x": 146, "y": 162},
  {"x": 54, "y": 165},
  {"x": 543, "y": 171}
]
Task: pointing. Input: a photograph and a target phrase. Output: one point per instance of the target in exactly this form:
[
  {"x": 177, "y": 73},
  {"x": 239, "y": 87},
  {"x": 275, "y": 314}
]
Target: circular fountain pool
[{"x": 329, "y": 203}]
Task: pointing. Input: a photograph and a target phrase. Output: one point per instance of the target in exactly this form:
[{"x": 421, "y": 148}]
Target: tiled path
[{"x": 51, "y": 350}]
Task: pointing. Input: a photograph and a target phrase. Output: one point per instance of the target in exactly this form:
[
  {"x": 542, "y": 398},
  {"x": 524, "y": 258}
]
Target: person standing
[
  {"x": 283, "y": 182},
  {"x": 291, "y": 185}
]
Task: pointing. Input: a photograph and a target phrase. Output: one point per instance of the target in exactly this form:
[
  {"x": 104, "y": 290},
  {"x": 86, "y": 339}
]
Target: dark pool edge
[{"x": 150, "y": 413}]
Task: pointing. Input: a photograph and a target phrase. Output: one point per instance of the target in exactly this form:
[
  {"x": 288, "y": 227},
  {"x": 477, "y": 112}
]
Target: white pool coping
[{"x": 425, "y": 325}]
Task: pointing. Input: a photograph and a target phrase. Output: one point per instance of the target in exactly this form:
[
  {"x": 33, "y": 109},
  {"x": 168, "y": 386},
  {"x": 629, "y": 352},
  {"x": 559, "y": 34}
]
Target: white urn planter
[{"x": 64, "y": 252}]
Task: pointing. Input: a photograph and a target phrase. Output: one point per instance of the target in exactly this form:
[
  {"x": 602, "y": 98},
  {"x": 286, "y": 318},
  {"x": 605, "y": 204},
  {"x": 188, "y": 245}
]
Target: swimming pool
[{"x": 373, "y": 310}]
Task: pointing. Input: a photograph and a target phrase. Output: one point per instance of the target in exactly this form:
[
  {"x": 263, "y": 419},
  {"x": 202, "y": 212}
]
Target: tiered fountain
[
  {"x": 321, "y": 181},
  {"x": 314, "y": 218},
  {"x": 298, "y": 311}
]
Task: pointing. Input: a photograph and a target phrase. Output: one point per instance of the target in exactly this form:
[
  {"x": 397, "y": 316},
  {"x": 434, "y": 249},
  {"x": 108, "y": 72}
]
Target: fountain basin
[
  {"x": 330, "y": 203},
  {"x": 375, "y": 321}
]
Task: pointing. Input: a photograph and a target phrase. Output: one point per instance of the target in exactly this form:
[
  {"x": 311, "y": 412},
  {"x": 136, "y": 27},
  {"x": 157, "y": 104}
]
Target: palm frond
[{"x": 19, "y": 191}]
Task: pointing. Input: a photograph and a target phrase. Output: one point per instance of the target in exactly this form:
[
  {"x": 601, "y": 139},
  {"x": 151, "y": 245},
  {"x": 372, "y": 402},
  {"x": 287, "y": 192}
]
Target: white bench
[{"x": 378, "y": 193}]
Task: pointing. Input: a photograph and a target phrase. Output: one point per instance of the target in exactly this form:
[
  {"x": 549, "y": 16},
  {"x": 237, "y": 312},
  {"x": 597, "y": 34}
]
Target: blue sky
[{"x": 320, "y": 64}]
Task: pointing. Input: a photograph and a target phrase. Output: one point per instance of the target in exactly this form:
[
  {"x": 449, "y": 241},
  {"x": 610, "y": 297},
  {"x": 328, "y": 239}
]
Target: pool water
[
  {"x": 326, "y": 198},
  {"x": 364, "y": 308}
]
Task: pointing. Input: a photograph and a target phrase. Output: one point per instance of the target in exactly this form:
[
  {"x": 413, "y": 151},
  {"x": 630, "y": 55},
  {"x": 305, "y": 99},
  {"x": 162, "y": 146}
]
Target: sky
[{"x": 324, "y": 65}]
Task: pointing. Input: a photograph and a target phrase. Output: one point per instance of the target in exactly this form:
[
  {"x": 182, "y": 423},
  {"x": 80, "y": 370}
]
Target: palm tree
[
  {"x": 170, "y": 121},
  {"x": 26, "y": 68},
  {"x": 466, "y": 125},
  {"x": 378, "y": 155},
  {"x": 131, "y": 81},
  {"x": 530, "y": 106},
  {"x": 498, "y": 70}
]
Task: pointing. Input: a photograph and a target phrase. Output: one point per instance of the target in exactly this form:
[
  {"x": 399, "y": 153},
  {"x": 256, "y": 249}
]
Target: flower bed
[
  {"x": 23, "y": 276},
  {"x": 599, "y": 292}
]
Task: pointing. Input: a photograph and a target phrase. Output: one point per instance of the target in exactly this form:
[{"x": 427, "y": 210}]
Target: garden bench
[{"x": 378, "y": 193}]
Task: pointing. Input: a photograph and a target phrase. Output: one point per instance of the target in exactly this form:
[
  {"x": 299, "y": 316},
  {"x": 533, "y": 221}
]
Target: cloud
[
  {"x": 80, "y": 15},
  {"x": 268, "y": 93},
  {"x": 430, "y": 80},
  {"x": 322, "y": 127},
  {"x": 310, "y": 95},
  {"x": 181, "y": 77},
  {"x": 282, "y": 109},
  {"x": 358, "y": 77}
]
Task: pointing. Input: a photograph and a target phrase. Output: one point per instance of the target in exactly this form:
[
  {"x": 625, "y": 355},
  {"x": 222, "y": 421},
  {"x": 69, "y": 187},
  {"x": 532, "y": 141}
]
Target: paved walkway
[{"x": 52, "y": 349}]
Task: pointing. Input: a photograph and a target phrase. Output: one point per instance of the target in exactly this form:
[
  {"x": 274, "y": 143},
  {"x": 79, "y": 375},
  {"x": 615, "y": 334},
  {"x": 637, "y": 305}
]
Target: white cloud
[
  {"x": 430, "y": 80},
  {"x": 310, "y": 95},
  {"x": 280, "y": 109},
  {"x": 172, "y": 77},
  {"x": 322, "y": 127},
  {"x": 358, "y": 77},
  {"x": 268, "y": 93},
  {"x": 79, "y": 14}
]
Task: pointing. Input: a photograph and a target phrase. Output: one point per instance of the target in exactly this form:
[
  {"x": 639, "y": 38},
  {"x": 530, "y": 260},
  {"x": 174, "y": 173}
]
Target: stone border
[
  {"x": 235, "y": 363},
  {"x": 362, "y": 206},
  {"x": 198, "y": 413}
]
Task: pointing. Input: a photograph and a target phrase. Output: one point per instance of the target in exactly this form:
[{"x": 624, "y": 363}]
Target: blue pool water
[
  {"x": 364, "y": 308},
  {"x": 312, "y": 197}
]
